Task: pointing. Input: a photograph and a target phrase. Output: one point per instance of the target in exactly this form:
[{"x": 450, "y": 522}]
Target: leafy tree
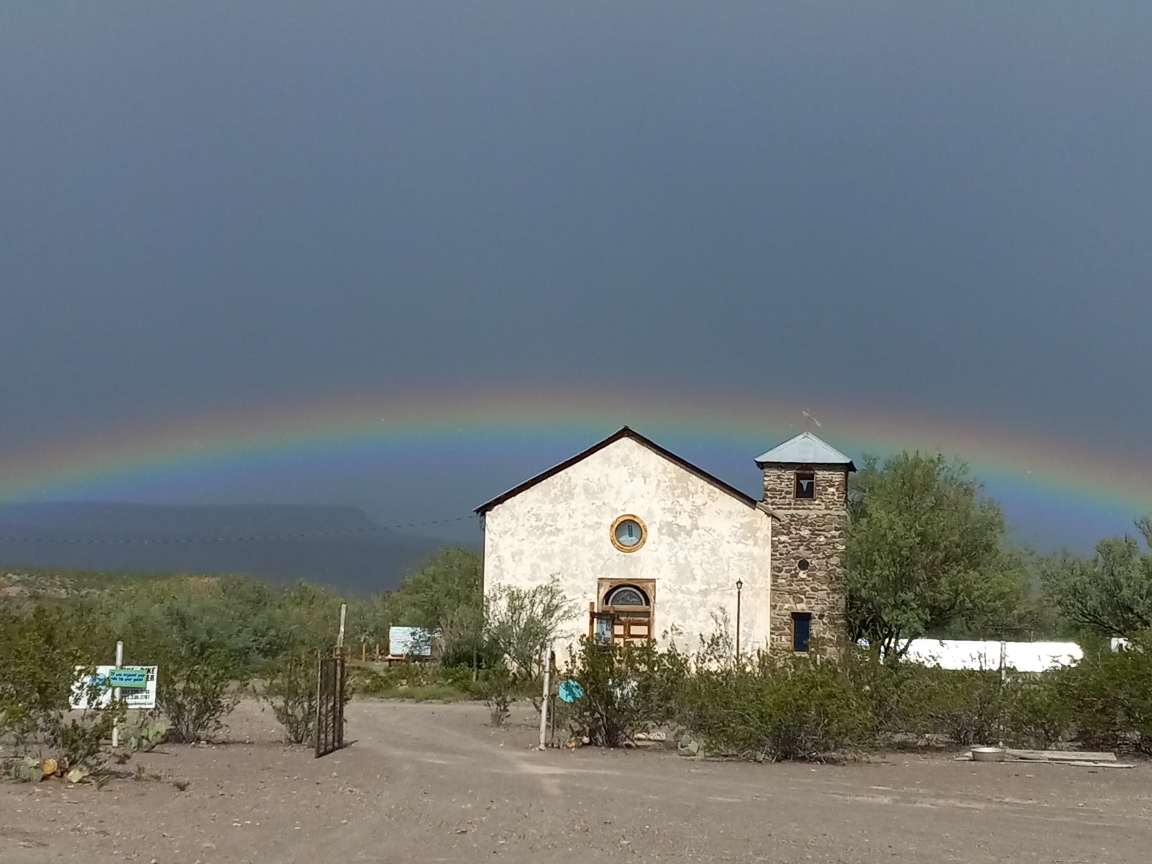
[
  {"x": 926, "y": 553},
  {"x": 449, "y": 580},
  {"x": 1110, "y": 594}
]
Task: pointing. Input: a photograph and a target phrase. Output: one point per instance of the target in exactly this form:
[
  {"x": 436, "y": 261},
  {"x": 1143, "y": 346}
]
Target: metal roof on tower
[{"x": 804, "y": 449}]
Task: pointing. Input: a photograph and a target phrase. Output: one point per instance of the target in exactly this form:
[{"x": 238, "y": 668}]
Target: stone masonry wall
[
  {"x": 780, "y": 484},
  {"x": 812, "y": 529}
]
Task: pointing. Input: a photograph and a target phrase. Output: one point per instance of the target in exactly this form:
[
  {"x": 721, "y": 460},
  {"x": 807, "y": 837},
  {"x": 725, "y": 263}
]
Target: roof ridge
[{"x": 622, "y": 432}]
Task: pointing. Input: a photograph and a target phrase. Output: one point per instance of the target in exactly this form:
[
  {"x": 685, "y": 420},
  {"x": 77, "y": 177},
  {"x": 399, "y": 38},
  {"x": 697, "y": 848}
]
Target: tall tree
[
  {"x": 926, "y": 552},
  {"x": 450, "y": 580},
  {"x": 1110, "y": 593}
]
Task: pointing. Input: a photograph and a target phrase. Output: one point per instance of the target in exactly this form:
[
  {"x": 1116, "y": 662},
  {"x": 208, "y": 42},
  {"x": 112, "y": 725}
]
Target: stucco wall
[{"x": 700, "y": 541}]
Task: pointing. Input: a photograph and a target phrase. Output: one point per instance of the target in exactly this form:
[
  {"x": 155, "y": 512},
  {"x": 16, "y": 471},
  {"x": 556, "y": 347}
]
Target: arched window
[
  {"x": 626, "y": 595},
  {"x": 624, "y": 612}
]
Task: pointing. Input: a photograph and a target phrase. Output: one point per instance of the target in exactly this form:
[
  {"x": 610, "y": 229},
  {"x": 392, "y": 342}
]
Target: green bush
[
  {"x": 627, "y": 689},
  {"x": 897, "y": 695},
  {"x": 965, "y": 706},
  {"x": 778, "y": 709},
  {"x": 912, "y": 701},
  {"x": 290, "y": 689},
  {"x": 519, "y": 624},
  {"x": 40, "y": 658},
  {"x": 1040, "y": 712},
  {"x": 196, "y": 694},
  {"x": 498, "y": 688},
  {"x": 1111, "y": 698}
]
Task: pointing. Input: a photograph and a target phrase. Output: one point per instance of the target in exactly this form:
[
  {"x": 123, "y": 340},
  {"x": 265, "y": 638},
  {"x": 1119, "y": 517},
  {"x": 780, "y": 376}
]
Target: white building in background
[{"x": 978, "y": 654}]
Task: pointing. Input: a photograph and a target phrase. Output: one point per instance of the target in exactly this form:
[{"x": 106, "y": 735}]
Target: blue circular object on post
[{"x": 570, "y": 690}]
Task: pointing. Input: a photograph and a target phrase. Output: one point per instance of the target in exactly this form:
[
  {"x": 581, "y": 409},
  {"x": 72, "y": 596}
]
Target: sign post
[
  {"x": 544, "y": 704},
  {"x": 116, "y": 690}
]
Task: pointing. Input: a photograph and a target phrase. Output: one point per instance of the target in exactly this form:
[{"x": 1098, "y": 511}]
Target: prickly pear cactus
[
  {"x": 28, "y": 769},
  {"x": 144, "y": 736}
]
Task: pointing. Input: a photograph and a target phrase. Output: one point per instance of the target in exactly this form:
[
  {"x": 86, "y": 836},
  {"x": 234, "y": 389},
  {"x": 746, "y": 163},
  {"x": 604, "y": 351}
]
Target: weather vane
[{"x": 809, "y": 420}]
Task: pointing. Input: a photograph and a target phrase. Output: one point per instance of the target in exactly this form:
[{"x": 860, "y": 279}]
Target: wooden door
[{"x": 631, "y": 628}]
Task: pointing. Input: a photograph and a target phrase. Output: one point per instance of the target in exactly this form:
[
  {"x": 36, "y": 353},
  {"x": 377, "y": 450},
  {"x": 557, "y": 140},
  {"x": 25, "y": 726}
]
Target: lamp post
[{"x": 739, "y": 587}]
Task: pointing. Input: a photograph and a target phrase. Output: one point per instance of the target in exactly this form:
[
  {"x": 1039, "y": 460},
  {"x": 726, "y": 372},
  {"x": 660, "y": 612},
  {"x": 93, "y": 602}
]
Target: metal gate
[{"x": 330, "y": 705}]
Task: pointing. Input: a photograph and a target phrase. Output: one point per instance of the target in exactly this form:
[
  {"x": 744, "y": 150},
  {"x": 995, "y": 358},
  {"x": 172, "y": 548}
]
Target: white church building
[{"x": 647, "y": 544}]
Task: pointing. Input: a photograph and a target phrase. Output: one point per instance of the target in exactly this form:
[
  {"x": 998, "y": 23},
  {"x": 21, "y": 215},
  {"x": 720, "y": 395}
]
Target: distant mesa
[{"x": 337, "y": 546}]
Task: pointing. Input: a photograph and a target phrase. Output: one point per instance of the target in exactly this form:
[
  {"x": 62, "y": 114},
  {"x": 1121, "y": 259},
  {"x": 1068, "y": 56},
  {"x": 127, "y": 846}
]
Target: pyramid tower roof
[{"x": 804, "y": 449}]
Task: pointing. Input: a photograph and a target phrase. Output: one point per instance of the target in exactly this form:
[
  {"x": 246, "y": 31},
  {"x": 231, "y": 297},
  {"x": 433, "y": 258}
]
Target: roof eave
[{"x": 849, "y": 466}]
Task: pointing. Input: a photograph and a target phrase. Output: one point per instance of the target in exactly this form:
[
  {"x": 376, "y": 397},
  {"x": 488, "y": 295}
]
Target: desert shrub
[
  {"x": 1111, "y": 697},
  {"x": 290, "y": 690},
  {"x": 40, "y": 658},
  {"x": 498, "y": 689},
  {"x": 196, "y": 694},
  {"x": 519, "y": 624},
  {"x": 202, "y": 648},
  {"x": 777, "y": 709},
  {"x": 910, "y": 700},
  {"x": 80, "y": 740},
  {"x": 627, "y": 689},
  {"x": 898, "y": 695},
  {"x": 965, "y": 706},
  {"x": 1039, "y": 712}
]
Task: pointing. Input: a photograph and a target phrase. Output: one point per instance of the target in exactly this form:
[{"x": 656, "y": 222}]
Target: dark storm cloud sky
[{"x": 942, "y": 208}]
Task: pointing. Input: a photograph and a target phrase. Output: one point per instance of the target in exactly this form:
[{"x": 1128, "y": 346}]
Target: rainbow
[{"x": 116, "y": 464}]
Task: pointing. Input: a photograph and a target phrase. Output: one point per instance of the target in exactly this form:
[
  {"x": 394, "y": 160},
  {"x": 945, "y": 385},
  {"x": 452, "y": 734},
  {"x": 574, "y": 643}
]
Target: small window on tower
[
  {"x": 805, "y": 484},
  {"x": 801, "y": 631}
]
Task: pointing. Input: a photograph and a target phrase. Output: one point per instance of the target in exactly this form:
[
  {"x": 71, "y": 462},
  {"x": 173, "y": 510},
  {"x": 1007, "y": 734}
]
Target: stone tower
[{"x": 806, "y": 488}]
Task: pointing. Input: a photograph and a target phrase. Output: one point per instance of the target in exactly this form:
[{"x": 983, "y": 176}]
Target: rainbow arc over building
[{"x": 116, "y": 461}]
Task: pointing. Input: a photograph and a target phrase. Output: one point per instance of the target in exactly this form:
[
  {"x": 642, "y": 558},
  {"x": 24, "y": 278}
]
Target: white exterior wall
[{"x": 700, "y": 540}]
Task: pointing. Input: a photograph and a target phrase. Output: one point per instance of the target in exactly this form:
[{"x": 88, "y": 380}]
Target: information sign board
[{"x": 135, "y": 695}]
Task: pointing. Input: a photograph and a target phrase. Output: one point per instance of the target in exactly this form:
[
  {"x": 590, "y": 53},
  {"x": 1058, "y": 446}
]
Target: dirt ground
[{"x": 433, "y": 782}]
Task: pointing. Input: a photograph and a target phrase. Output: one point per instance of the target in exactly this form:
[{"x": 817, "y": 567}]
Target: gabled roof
[
  {"x": 805, "y": 449},
  {"x": 624, "y": 432}
]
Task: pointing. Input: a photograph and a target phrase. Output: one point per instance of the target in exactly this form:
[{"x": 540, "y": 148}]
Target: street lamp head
[{"x": 739, "y": 584}]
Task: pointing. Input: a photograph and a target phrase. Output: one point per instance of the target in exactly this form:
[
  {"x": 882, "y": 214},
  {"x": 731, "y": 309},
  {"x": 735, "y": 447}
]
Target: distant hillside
[{"x": 337, "y": 546}]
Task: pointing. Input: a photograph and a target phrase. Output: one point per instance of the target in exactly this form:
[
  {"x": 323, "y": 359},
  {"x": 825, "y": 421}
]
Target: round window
[
  {"x": 628, "y": 533},
  {"x": 803, "y": 564}
]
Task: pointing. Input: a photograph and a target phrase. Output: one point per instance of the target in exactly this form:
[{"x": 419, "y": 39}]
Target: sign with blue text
[{"x": 128, "y": 677}]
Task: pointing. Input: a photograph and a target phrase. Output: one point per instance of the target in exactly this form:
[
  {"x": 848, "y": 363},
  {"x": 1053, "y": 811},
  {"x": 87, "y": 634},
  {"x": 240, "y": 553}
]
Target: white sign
[
  {"x": 410, "y": 642},
  {"x": 142, "y": 698}
]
